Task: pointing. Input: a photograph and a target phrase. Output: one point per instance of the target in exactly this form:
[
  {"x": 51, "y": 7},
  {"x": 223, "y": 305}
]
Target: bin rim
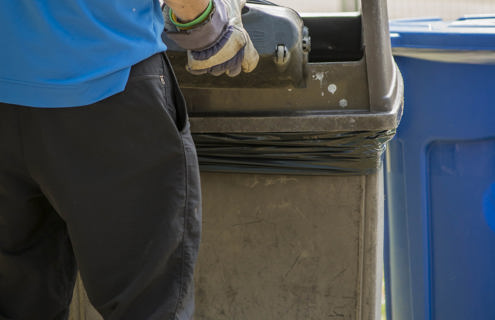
[
  {"x": 321, "y": 121},
  {"x": 469, "y": 39}
]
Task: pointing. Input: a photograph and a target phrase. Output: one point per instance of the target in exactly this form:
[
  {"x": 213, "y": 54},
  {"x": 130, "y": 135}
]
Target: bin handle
[{"x": 382, "y": 73}]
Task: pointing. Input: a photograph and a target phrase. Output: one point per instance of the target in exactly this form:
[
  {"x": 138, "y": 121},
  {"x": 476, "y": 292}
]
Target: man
[{"x": 97, "y": 165}]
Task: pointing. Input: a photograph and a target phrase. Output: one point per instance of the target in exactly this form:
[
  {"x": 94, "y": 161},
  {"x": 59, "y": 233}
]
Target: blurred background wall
[{"x": 446, "y": 9}]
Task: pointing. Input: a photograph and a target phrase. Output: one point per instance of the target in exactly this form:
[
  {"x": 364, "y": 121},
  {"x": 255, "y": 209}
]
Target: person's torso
[{"x": 73, "y": 52}]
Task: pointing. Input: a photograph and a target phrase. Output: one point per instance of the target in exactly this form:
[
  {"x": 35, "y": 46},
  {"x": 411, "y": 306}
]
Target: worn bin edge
[{"x": 320, "y": 122}]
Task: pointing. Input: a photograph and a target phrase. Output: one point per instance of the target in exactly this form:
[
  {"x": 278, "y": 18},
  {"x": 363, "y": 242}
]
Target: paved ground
[{"x": 447, "y": 9}]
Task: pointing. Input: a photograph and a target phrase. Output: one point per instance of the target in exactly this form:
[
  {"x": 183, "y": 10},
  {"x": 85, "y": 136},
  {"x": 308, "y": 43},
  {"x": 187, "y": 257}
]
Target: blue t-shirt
[{"x": 64, "y": 53}]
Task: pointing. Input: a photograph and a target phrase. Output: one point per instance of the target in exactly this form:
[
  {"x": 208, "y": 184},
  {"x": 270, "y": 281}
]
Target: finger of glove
[
  {"x": 251, "y": 57},
  {"x": 235, "y": 68},
  {"x": 219, "y": 53},
  {"x": 232, "y": 67},
  {"x": 196, "y": 72},
  {"x": 235, "y": 71}
]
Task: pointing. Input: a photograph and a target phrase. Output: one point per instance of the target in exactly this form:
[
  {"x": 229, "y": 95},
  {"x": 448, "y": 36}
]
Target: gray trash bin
[{"x": 291, "y": 161}]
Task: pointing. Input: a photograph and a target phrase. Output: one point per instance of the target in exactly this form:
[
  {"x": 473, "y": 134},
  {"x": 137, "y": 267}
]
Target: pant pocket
[{"x": 174, "y": 95}]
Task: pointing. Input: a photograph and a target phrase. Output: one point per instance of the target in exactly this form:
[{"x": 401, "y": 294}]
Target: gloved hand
[{"x": 218, "y": 45}]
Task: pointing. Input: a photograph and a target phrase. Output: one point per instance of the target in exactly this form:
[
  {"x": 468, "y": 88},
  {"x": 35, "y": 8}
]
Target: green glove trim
[{"x": 193, "y": 23}]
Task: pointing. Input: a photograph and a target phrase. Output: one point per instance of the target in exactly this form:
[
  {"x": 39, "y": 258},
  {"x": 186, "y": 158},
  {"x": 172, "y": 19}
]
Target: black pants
[{"x": 110, "y": 188}]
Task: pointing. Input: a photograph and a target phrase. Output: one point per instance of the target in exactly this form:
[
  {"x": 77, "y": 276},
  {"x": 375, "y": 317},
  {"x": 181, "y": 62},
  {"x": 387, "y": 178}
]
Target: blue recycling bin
[{"x": 440, "y": 173}]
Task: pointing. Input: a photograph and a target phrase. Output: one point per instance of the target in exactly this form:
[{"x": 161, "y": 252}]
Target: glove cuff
[{"x": 205, "y": 34}]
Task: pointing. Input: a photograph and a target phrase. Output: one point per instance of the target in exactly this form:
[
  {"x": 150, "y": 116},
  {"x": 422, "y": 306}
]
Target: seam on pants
[
  {"x": 186, "y": 200},
  {"x": 167, "y": 73},
  {"x": 173, "y": 85}
]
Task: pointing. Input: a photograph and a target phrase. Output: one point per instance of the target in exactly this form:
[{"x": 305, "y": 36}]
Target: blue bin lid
[{"x": 470, "y": 39}]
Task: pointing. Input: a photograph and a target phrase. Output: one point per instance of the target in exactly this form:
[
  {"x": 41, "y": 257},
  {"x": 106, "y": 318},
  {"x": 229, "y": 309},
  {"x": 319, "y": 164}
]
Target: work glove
[{"x": 219, "y": 44}]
